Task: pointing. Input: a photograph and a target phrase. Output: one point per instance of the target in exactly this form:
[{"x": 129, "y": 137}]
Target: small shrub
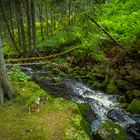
[{"x": 16, "y": 74}]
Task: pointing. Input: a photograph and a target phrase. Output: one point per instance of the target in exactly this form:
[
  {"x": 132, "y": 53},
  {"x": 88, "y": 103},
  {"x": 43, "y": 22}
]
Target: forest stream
[{"x": 104, "y": 106}]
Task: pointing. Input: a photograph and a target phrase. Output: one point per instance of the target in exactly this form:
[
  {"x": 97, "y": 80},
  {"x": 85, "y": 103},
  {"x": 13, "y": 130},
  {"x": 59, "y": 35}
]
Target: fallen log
[
  {"x": 26, "y": 64},
  {"x": 59, "y": 66},
  {"x": 105, "y": 31},
  {"x": 41, "y": 58}
]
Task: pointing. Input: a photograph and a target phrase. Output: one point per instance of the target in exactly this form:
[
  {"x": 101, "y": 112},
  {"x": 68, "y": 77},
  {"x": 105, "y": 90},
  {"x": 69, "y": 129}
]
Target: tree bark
[
  {"x": 8, "y": 28},
  {"x": 18, "y": 24},
  {"x": 11, "y": 17},
  {"x": 32, "y": 6},
  {"x": 29, "y": 24},
  {"x": 105, "y": 31},
  {"x": 41, "y": 19},
  {"x": 47, "y": 25},
  {"x": 21, "y": 27},
  {"x": 6, "y": 89}
]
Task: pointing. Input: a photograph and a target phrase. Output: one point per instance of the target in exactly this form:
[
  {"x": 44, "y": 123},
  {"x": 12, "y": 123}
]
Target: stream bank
[
  {"x": 104, "y": 106},
  {"x": 53, "y": 118}
]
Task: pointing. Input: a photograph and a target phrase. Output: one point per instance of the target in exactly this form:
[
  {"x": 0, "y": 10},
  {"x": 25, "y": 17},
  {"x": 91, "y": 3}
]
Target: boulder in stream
[
  {"x": 87, "y": 112},
  {"x": 115, "y": 115},
  {"x": 109, "y": 131},
  {"x": 133, "y": 131}
]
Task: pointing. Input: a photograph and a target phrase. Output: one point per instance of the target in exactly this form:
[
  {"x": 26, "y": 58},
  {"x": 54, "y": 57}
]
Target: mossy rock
[
  {"x": 125, "y": 105},
  {"x": 123, "y": 84},
  {"x": 112, "y": 87},
  {"x": 86, "y": 111},
  {"x": 109, "y": 131},
  {"x": 96, "y": 85},
  {"x": 134, "y": 93},
  {"x": 48, "y": 78},
  {"x": 134, "y": 73},
  {"x": 134, "y": 106},
  {"x": 63, "y": 74},
  {"x": 55, "y": 70},
  {"x": 56, "y": 79},
  {"x": 29, "y": 92},
  {"x": 123, "y": 71}
]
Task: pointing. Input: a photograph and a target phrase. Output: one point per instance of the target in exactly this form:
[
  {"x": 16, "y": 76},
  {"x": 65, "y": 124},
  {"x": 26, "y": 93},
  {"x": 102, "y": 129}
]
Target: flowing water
[{"x": 104, "y": 106}]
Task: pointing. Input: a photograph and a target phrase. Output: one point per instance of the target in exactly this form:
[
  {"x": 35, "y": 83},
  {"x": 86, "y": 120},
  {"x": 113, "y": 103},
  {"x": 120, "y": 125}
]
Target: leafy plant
[{"x": 16, "y": 74}]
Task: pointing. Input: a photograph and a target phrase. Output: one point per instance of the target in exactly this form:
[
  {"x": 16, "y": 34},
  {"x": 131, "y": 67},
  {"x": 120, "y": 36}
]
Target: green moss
[
  {"x": 125, "y": 105},
  {"x": 97, "y": 85},
  {"x": 123, "y": 84},
  {"x": 57, "y": 119},
  {"x": 48, "y": 78},
  {"x": 133, "y": 93},
  {"x": 87, "y": 112},
  {"x": 112, "y": 87},
  {"x": 134, "y": 106},
  {"x": 110, "y": 131},
  {"x": 86, "y": 126},
  {"x": 28, "y": 92},
  {"x": 56, "y": 79},
  {"x": 63, "y": 74}
]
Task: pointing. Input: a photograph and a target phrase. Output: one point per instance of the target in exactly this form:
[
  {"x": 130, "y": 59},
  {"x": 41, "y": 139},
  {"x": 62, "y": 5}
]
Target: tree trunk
[
  {"x": 69, "y": 11},
  {"x": 29, "y": 24},
  {"x": 11, "y": 17},
  {"x": 21, "y": 27},
  {"x": 51, "y": 16},
  {"x": 8, "y": 28},
  {"x": 47, "y": 25},
  {"x": 6, "y": 89},
  {"x": 33, "y": 25},
  {"x": 18, "y": 24},
  {"x": 41, "y": 20}
]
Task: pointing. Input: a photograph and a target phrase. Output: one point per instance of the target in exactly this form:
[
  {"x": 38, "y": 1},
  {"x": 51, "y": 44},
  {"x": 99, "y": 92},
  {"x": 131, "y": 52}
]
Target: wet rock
[
  {"x": 123, "y": 71},
  {"x": 56, "y": 79},
  {"x": 133, "y": 131},
  {"x": 87, "y": 112},
  {"x": 131, "y": 94},
  {"x": 109, "y": 131},
  {"x": 134, "y": 106},
  {"x": 134, "y": 73},
  {"x": 135, "y": 93},
  {"x": 123, "y": 84},
  {"x": 87, "y": 92},
  {"x": 115, "y": 115}
]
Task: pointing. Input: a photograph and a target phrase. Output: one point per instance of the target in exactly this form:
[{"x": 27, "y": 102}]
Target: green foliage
[
  {"x": 29, "y": 92},
  {"x": 58, "y": 40},
  {"x": 110, "y": 131},
  {"x": 16, "y": 74},
  {"x": 121, "y": 19},
  {"x": 134, "y": 106},
  {"x": 90, "y": 49},
  {"x": 8, "y": 50},
  {"x": 112, "y": 87}
]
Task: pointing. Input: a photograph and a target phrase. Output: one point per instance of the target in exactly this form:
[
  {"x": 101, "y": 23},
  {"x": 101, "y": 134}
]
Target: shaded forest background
[
  {"x": 78, "y": 29},
  {"x": 29, "y": 27}
]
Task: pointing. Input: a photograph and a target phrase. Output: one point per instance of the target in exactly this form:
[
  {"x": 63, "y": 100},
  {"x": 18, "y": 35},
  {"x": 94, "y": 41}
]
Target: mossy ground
[{"x": 58, "y": 118}]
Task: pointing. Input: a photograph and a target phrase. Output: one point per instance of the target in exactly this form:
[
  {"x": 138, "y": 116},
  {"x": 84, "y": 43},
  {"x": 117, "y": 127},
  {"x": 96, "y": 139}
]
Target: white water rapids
[{"x": 100, "y": 102}]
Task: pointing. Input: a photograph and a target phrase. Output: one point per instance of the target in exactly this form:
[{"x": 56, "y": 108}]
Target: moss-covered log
[{"x": 32, "y": 59}]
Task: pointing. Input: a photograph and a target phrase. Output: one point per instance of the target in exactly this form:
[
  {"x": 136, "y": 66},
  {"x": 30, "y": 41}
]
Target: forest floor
[{"x": 58, "y": 119}]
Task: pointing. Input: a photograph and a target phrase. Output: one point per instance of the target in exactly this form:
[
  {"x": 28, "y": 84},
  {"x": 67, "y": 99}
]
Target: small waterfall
[
  {"x": 101, "y": 103},
  {"x": 104, "y": 106}
]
